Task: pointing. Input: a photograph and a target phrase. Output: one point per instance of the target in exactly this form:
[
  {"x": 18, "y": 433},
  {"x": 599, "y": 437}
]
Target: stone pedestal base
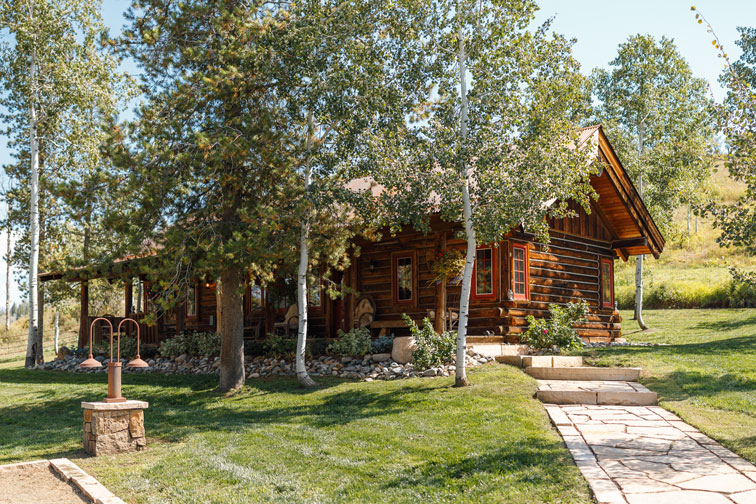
[{"x": 111, "y": 428}]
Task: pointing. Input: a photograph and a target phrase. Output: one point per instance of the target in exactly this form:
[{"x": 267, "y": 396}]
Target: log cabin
[{"x": 512, "y": 279}]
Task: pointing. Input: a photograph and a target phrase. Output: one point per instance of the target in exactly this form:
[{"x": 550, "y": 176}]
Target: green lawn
[
  {"x": 417, "y": 440},
  {"x": 707, "y": 374}
]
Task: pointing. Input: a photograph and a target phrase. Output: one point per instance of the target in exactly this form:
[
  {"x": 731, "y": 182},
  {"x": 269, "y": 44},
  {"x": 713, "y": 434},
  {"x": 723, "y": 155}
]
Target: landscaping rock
[
  {"x": 375, "y": 366},
  {"x": 403, "y": 348}
]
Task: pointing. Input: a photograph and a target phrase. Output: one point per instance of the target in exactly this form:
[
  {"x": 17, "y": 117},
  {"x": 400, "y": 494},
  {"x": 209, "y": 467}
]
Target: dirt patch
[{"x": 32, "y": 484}]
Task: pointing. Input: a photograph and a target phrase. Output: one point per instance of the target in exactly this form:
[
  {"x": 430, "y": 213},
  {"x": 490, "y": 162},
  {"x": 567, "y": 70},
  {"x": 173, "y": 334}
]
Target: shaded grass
[
  {"x": 399, "y": 441},
  {"x": 706, "y": 373}
]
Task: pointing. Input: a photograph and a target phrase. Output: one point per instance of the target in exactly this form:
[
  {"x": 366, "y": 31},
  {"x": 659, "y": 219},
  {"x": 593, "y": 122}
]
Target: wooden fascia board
[{"x": 634, "y": 203}]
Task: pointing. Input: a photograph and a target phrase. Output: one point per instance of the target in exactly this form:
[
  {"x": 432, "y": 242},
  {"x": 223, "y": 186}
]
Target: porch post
[
  {"x": 84, "y": 315},
  {"x": 440, "y": 322},
  {"x": 351, "y": 297},
  {"x": 180, "y": 318},
  {"x": 128, "y": 296}
]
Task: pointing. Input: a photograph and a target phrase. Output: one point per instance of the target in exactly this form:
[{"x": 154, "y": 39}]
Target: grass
[
  {"x": 706, "y": 374},
  {"x": 413, "y": 440}
]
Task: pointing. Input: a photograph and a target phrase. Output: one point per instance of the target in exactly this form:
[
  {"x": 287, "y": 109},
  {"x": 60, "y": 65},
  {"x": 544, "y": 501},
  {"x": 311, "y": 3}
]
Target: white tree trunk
[
  {"x": 688, "y": 219},
  {"x": 638, "y": 312},
  {"x": 34, "y": 345},
  {"x": 139, "y": 296},
  {"x": 304, "y": 260},
  {"x": 7, "y": 275},
  {"x": 460, "y": 378},
  {"x": 56, "y": 333},
  {"x": 464, "y": 300}
]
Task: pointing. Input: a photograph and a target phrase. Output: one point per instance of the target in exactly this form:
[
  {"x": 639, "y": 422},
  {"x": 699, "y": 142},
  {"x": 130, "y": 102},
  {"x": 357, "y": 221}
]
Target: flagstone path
[{"x": 647, "y": 455}]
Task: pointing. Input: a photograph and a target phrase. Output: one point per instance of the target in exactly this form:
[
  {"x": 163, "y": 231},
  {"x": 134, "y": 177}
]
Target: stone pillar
[{"x": 111, "y": 428}]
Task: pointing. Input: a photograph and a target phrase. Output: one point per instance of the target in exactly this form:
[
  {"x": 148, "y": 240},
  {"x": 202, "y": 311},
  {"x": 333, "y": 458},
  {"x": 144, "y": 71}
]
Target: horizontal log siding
[{"x": 567, "y": 272}]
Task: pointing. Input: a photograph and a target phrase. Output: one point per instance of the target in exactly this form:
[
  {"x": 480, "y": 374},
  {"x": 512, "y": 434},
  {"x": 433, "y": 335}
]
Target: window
[
  {"x": 404, "y": 278},
  {"x": 191, "y": 300},
  {"x": 607, "y": 283},
  {"x": 484, "y": 273},
  {"x": 314, "y": 295},
  {"x": 255, "y": 297},
  {"x": 520, "y": 271}
]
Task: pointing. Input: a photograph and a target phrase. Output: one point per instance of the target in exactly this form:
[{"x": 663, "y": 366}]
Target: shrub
[
  {"x": 355, "y": 342},
  {"x": 431, "y": 349},
  {"x": 280, "y": 346},
  {"x": 691, "y": 294},
  {"x": 128, "y": 347},
  {"x": 384, "y": 344},
  {"x": 197, "y": 344},
  {"x": 317, "y": 346},
  {"x": 558, "y": 330}
]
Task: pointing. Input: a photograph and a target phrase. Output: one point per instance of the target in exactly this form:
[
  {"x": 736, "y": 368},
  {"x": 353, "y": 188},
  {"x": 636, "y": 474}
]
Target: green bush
[
  {"x": 431, "y": 349},
  {"x": 356, "y": 342},
  {"x": 317, "y": 346},
  {"x": 558, "y": 330},
  {"x": 383, "y": 344},
  {"x": 280, "y": 346},
  {"x": 196, "y": 344},
  {"x": 690, "y": 294},
  {"x": 128, "y": 347}
]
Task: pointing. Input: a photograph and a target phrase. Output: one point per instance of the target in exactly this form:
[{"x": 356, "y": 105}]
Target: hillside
[
  {"x": 13, "y": 342},
  {"x": 692, "y": 271}
]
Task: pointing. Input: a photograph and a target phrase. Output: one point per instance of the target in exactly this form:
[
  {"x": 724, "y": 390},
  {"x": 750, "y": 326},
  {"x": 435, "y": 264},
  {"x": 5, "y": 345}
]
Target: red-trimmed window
[
  {"x": 519, "y": 271},
  {"x": 484, "y": 273},
  {"x": 191, "y": 301},
  {"x": 607, "y": 283},
  {"x": 405, "y": 290}
]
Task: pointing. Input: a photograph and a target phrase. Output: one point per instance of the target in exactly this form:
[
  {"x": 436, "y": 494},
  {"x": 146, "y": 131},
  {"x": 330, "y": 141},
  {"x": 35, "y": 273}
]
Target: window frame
[
  {"x": 255, "y": 309},
  {"x": 610, "y": 263},
  {"x": 194, "y": 315},
  {"x": 395, "y": 256},
  {"x": 526, "y": 279},
  {"x": 318, "y": 306},
  {"x": 494, "y": 274}
]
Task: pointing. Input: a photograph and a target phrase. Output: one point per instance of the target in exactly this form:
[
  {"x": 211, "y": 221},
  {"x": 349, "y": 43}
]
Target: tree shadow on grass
[
  {"x": 735, "y": 346},
  {"x": 680, "y": 385},
  {"x": 51, "y": 421},
  {"x": 727, "y": 325},
  {"x": 531, "y": 460}
]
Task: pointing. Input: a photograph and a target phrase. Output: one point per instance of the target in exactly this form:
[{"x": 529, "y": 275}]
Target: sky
[{"x": 599, "y": 27}]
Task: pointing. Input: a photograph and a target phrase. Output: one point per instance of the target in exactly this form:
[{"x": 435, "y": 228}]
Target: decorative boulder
[{"x": 403, "y": 348}]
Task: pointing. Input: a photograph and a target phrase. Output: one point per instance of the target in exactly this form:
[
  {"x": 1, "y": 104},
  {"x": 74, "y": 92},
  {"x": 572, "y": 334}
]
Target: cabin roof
[{"x": 620, "y": 205}]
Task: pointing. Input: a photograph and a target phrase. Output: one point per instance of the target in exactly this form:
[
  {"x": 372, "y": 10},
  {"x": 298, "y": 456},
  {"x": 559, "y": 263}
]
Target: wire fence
[{"x": 18, "y": 348}]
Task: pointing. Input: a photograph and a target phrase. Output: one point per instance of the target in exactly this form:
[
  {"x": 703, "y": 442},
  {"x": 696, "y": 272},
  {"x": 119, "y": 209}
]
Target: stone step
[
  {"x": 584, "y": 373},
  {"x": 620, "y": 393},
  {"x": 547, "y": 361},
  {"x": 498, "y": 349}
]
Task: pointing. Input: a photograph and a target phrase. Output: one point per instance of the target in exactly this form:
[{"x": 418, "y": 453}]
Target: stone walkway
[{"x": 647, "y": 455}]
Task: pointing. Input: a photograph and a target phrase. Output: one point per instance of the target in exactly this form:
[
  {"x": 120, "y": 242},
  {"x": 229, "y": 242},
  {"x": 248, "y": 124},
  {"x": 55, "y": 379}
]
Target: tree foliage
[
  {"x": 58, "y": 89},
  {"x": 495, "y": 145},
  {"x": 660, "y": 118},
  {"x": 737, "y": 118}
]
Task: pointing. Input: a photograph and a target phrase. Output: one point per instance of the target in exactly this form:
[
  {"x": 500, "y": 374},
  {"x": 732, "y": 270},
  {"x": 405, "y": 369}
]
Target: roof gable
[{"x": 634, "y": 230}]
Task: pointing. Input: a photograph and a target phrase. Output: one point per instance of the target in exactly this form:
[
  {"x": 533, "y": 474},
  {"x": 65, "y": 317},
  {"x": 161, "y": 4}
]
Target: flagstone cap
[{"x": 103, "y": 406}]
